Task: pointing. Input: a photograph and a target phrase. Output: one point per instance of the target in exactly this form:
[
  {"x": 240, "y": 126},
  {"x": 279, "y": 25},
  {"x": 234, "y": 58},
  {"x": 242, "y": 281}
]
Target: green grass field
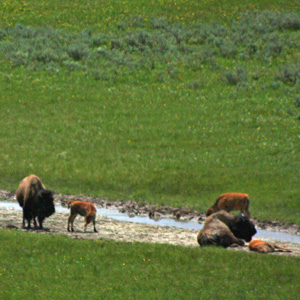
[
  {"x": 35, "y": 266},
  {"x": 164, "y": 102},
  {"x": 167, "y": 102}
]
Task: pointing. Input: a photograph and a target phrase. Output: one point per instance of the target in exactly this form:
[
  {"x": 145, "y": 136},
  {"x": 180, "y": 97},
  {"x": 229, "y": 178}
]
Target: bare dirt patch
[{"x": 128, "y": 231}]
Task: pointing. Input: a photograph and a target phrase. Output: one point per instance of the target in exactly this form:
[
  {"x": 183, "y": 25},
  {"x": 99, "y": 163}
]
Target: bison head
[
  {"x": 243, "y": 228},
  {"x": 46, "y": 204}
]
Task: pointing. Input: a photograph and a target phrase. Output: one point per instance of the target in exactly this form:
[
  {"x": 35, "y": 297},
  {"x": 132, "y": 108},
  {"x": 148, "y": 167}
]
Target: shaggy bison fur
[
  {"x": 224, "y": 229},
  {"x": 231, "y": 201},
  {"x": 82, "y": 208},
  {"x": 35, "y": 200}
]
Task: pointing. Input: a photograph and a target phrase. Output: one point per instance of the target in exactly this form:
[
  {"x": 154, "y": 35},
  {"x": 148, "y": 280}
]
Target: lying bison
[
  {"x": 35, "y": 200},
  {"x": 264, "y": 247},
  {"x": 231, "y": 201},
  {"x": 224, "y": 229},
  {"x": 85, "y": 209}
]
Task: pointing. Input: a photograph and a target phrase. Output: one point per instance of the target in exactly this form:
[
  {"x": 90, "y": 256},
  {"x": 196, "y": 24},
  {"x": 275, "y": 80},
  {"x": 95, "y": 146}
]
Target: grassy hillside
[
  {"x": 170, "y": 103},
  {"x": 35, "y": 266}
]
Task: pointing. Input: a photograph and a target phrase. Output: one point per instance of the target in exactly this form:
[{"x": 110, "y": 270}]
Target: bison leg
[
  {"x": 88, "y": 219},
  {"x": 280, "y": 249},
  {"x": 93, "y": 218},
  {"x": 70, "y": 221},
  {"x": 34, "y": 223},
  {"x": 28, "y": 223},
  {"x": 23, "y": 223},
  {"x": 94, "y": 223},
  {"x": 229, "y": 240},
  {"x": 86, "y": 222},
  {"x": 26, "y": 216},
  {"x": 246, "y": 210},
  {"x": 41, "y": 220}
]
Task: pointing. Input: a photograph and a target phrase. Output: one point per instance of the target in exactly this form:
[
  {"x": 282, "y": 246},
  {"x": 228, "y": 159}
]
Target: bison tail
[{"x": 70, "y": 203}]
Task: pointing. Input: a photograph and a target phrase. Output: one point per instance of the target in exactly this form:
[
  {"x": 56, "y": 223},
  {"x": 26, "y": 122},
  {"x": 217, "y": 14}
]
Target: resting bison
[
  {"x": 224, "y": 229},
  {"x": 35, "y": 200},
  {"x": 264, "y": 247},
  {"x": 85, "y": 209},
  {"x": 231, "y": 201}
]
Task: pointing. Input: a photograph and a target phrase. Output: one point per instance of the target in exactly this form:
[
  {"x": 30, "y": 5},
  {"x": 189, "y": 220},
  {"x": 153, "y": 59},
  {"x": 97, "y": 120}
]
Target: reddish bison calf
[
  {"x": 35, "y": 200},
  {"x": 264, "y": 247},
  {"x": 85, "y": 209},
  {"x": 231, "y": 201}
]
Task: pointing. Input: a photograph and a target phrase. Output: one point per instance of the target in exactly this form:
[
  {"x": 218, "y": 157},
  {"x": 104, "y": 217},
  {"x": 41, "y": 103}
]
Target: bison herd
[{"x": 220, "y": 228}]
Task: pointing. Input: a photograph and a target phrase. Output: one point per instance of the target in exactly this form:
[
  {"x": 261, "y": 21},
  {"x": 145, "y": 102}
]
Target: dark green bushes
[
  {"x": 238, "y": 76},
  {"x": 289, "y": 73},
  {"x": 136, "y": 46}
]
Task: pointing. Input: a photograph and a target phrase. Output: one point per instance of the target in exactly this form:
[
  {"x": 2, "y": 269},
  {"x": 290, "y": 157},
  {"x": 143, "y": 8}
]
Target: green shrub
[
  {"x": 289, "y": 73},
  {"x": 254, "y": 36},
  {"x": 227, "y": 49},
  {"x": 239, "y": 75},
  {"x": 78, "y": 52}
]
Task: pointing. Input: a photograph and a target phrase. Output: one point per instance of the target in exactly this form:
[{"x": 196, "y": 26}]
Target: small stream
[{"x": 116, "y": 215}]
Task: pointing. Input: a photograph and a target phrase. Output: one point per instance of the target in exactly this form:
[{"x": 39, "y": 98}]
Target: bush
[
  {"x": 99, "y": 40},
  {"x": 228, "y": 49},
  {"x": 254, "y": 36},
  {"x": 290, "y": 21},
  {"x": 297, "y": 100},
  {"x": 78, "y": 52},
  {"x": 72, "y": 65},
  {"x": 160, "y": 23},
  {"x": 289, "y": 73},
  {"x": 239, "y": 75}
]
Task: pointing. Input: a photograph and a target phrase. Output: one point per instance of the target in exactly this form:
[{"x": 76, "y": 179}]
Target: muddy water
[{"x": 116, "y": 215}]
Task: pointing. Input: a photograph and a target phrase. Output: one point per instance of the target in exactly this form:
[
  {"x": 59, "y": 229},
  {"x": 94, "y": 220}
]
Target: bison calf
[
  {"x": 224, "y": 229},
  {"x": 231, "y": 201},
  {"x": 35, "y": 200},
  {"x": 264, "y": 247},
  {"x": 85, "y": 209}
]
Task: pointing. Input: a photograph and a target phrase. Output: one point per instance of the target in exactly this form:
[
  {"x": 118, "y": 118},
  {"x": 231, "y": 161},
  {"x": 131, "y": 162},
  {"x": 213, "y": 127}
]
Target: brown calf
[
  {"x": 264, "y": 247},
  {"x": 85, "y": 209},
  {"x": 231, "y": 201}
]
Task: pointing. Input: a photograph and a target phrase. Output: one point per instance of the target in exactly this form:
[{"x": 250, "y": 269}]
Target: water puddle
[{"x": 116, "y": 215}]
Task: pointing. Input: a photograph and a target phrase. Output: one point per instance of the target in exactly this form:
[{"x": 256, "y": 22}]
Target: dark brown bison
[
  {"x": 264, "y": 247},
  {"x": 35, "y": 200},
  {"x": 224, "y": 229},
  {"x": 85, "y": 209},
  {"x": 231, "y": 201}
]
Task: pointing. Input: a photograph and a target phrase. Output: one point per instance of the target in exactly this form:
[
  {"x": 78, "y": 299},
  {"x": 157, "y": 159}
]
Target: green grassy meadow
[
  {"x": 167, "y": 102},
  {"x": 56, "y": 267}
]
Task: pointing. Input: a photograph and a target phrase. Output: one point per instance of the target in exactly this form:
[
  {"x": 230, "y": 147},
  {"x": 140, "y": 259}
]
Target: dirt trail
[{"x": 118, "y": 230}]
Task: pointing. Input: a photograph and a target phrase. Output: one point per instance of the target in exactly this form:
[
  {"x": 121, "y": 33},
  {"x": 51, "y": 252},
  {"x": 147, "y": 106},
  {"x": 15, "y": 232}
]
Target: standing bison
[
  {"x": 224, "y": 229},
  {"x": 82, "y": 208},
  {"x": 35, "y": 200},
  {"x": 231, "y": 201}
]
